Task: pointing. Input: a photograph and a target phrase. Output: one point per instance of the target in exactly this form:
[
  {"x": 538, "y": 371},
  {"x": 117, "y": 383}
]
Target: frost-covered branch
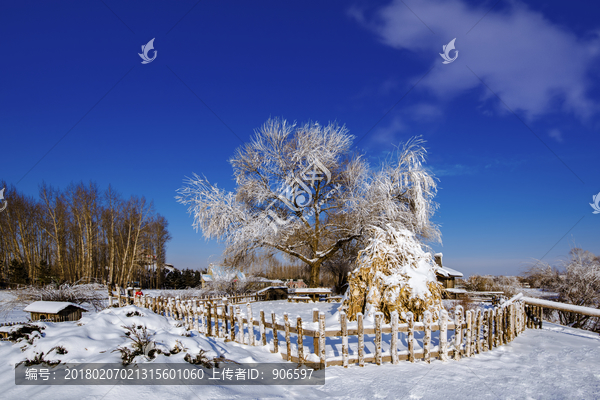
[{"x": 302, "y": 191}]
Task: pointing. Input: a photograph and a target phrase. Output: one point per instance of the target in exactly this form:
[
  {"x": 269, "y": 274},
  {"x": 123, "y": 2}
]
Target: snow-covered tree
[
  {"x": 301, "y": 191},
  {"x": 577, "y": 282},
  {"x": 394, "y": 273}
]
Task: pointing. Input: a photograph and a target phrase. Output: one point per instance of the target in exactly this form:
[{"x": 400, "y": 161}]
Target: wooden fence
[
  {"x": 534, "y": 309},
  {"x": 473, "y": 332},
  {"x": 123, "y": 299}
]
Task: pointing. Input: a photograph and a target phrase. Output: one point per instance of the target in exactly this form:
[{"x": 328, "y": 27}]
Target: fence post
[
  {"x": 469, "y": 334},
  {"x": 513, "y": 321},
  {"x": 316, "y": 339},
  {"x": 484, "y": 330},
  {"x": 444, "y": 335},
  {"x": 275, "y": 337},
  {"x": 300, "y": 341},
  {"x": 410, "y": 336},
  {"x": 507, "y": 323},
  {"x": 240, "y": 335},
  {"x": 490, "y": 338},
  {"x": 378, "y": 318},
  {"x": 231, "y": 322},
  {"x": 499, "y": 330},
  {"x": 523, "y": 317},
  {"x": 288, "y": 347},
  {"x": 361, "y": 340},
  {"x": 344, "y": 324},
  {"x": 457, "y": 332},
  {"x": 185, "y": 315},
  {"x": 261, "y": 328},
  {"x": 479, "y": 330},
  {"x": 322, "y": 339},
  {"x": 474, "y": 332},
  {"x": 427, "y": 337},
  {"x": 251, "y": 338},
  {"x": 208, "y": 318},
  {"x": 394, "y": 340}
]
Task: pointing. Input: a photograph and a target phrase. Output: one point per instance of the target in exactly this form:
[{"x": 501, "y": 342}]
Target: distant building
[
  {"x": 446, "y": 276},
  {"x": 205, "y": 279},
  {"x": 274, "y": 293},
  {"x": 225, "y": 273},
  {"x": 54, "y": 311},
  {"x": 299, "y": 284}
]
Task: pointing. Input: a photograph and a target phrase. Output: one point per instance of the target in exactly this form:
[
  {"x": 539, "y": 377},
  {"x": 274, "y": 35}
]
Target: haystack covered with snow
[{"x": 393, "y": 274}]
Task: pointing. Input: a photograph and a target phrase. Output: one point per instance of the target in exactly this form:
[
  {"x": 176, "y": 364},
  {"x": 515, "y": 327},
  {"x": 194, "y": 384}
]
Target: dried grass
[{"x": 382, "y": 281}]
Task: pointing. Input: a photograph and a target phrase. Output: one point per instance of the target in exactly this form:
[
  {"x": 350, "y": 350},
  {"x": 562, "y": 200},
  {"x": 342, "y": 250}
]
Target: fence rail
[
  {"x": 534, "y": 309},
  {"x": 473, "y": 332},
  {"x": 123, "y": 298}
]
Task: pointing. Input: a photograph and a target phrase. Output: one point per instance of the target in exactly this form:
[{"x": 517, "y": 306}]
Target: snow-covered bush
[
  {"x": 90, "y": 293},
  {"x": 578, "y": 284},
  {"x": 488, "y": 283},
  {"x": 393, "y": 274},
  {"x": 141, "y": 344},
  {"x": 202, "y": 359}
]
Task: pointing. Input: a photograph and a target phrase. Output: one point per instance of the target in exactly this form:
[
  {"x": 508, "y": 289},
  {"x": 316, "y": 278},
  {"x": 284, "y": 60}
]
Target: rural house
[
  {"x": 446, "y": 276},
  {"x": 55, "y": 311}
]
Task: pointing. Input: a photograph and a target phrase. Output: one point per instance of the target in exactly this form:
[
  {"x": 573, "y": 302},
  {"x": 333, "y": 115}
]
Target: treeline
[
  {"x": 81, "y": 234},
  {"x": 577, "y": 282},
  {"x": 184, "y": 279}
]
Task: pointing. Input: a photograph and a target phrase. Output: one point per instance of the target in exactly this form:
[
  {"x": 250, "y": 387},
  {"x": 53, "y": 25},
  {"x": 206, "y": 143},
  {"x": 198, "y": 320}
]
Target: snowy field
[{"x": 553, "y": 363}]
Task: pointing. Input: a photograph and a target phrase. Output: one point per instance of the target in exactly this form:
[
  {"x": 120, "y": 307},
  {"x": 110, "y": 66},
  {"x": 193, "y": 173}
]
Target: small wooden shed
[
  {"x": 54, "y": 311},
  {"x": 446, "y": 276},
  {"x": 274, "y": 293}
]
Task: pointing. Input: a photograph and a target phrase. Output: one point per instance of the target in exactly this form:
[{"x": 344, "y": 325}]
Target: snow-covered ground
[{"x": 553, "y": 363}]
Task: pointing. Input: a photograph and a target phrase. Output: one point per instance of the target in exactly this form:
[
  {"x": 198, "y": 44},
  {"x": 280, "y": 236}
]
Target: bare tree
[
  {"x": 578, "y": 283},
  {"x": 301, "y": 191},
  {"x": 78, "y": 234}
]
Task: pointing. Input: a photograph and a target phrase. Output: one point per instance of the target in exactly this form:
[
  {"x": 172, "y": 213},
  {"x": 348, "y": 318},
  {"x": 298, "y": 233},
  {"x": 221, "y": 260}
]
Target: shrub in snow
[
  {"x": 93, "y": 294},
  {"x": 393, "y": 274},
  {"x": 38, "y": 359},
  {"x": 135, "y": 313},
  {"x": 203, "y": 360},
  {"x": 578, "y": 283},
  {"x": 28, "y": 332},
  {"x": 142, "y": 344},
  {"x": 487, "y": 283}
]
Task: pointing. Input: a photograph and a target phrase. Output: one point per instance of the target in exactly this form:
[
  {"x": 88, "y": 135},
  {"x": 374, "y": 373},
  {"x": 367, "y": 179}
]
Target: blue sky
[{"x": 511, "y": 125}]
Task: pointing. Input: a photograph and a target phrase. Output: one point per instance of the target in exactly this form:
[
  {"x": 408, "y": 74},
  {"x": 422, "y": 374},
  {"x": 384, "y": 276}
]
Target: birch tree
[{"x": 301, "y": 190}]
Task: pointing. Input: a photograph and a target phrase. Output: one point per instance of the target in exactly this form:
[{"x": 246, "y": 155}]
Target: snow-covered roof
[
  {"x": 455, "y": 290},
  {"x": 207, "y": 278},
  {"x": 448, "y": 272},
  {"x": 225, "y": 273},
  {"x": 272, "y": 287},
  {"x": 50, "y": 307}
]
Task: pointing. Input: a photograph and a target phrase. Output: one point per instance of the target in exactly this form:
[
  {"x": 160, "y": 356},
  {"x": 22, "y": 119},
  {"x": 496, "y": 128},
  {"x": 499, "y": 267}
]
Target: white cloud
[
  {"x": 389, "y": 134},
  {"x": 556, "y": 135},
  {"x": 452, "y": 170},
  {"x": 532, "y": 64}
]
